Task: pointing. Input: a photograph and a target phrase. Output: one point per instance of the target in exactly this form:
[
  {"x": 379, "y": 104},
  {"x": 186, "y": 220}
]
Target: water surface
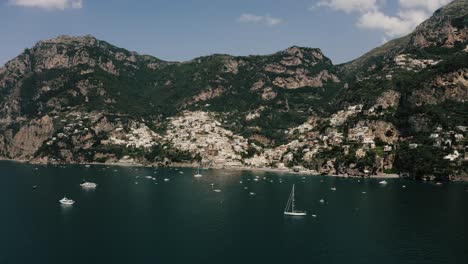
[{"x": 131, "y": 219}]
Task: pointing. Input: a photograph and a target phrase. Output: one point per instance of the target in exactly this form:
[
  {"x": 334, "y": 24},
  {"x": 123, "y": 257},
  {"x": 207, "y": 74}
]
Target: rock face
[
  {"x": 24, "y": 143},
  {"x": 395, "y": 109},
  {"x": 302, "y": 79}
]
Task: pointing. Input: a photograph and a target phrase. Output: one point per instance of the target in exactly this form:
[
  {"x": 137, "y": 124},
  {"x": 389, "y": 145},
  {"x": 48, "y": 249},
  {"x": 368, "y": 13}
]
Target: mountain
[{"x": 401, "y": 107}]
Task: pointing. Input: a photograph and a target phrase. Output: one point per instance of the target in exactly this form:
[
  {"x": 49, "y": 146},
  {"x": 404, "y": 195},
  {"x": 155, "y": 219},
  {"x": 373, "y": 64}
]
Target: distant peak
[
  {"x": 301, "y": 52},
  {"x": 67, "y": 39}
]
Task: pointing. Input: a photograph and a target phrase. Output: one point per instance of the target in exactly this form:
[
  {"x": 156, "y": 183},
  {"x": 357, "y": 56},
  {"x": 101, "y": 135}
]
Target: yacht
[
  {"x": 66, "y": 201},
  {"x": 290, "y": 210},
  {"x": 88, "y": 185},
  {"x": 198, "y": 175}
]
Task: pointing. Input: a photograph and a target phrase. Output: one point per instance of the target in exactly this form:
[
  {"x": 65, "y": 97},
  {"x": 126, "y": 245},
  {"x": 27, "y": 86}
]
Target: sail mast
[{"x": 292, "y": 209}]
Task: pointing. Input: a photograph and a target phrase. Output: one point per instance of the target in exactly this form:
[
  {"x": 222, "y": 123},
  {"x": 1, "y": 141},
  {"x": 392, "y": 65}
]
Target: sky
[{"x": 180, "y": 30}]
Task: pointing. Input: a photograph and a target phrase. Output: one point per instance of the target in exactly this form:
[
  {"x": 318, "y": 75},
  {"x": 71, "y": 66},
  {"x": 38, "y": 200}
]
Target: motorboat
[
  {"x": 88, "y": 185},
  {"x": 66, "y": 201}
]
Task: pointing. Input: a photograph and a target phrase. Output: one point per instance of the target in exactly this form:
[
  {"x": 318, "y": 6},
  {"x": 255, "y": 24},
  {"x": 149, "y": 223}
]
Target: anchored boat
[
  {"x": 198, "y": 175},
  {"x": 290, "y": 210},
  {"x": 66, "y": 201}
]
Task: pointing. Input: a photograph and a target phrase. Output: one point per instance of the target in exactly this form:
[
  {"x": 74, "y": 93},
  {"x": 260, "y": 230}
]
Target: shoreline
[{"x": 244, "y": 168}]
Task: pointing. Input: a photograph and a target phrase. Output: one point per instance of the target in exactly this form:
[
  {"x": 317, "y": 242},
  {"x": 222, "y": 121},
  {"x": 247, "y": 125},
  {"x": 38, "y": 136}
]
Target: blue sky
[{"x": 179, "y": 30}]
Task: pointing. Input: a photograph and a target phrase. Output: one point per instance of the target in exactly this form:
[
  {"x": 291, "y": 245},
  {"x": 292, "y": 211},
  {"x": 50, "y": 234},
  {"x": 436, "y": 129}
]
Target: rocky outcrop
[
  {"x": 302, "y": 79},
  {"x": 25, "y": 142},
  {"x": 389, "y": 99},
  {"x": 207, "y": 95}
]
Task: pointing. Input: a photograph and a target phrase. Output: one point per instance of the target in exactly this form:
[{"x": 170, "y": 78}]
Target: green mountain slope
[{"x": 397, "y": 108}]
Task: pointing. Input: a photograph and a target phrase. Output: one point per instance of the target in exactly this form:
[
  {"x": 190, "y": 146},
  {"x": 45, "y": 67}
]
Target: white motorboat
[
  {"x": 383, "y": 182},
  {"x": 333, "y": 188},
  {"x": 88, "y": 185},
  {"x": 66, "y": 201},
  {"x": 217, "y": 190},
  {"x": 289, "y": 209}
]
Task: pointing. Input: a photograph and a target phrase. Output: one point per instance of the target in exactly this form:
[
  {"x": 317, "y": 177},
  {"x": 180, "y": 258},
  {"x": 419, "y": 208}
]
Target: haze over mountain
[{"x": 400, "y": 108}]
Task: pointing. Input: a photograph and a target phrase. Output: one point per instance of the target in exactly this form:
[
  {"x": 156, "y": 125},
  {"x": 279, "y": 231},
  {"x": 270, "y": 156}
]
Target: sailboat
[
  {"x": 198, "y": 175},
  {"x": 289, "y": 210}
]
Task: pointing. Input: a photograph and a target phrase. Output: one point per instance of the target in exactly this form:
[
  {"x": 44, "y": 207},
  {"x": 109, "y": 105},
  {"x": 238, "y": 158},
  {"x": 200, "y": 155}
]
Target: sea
[{"x": 166, "y": 215}]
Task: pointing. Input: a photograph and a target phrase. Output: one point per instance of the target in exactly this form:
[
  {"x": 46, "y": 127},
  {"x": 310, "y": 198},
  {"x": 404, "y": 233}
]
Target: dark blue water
[{"x": 185, "y": 221}]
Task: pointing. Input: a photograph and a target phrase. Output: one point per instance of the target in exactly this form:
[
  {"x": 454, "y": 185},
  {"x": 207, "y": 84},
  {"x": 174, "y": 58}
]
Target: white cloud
[
  {"x": 372, "y": 16},
  {"x": 350, "y": 5},
  {"x": 49, "y": 4},
  {"x": 393, "y": 26},
  {"x": 267, "y": 19},
  {"x": 429, "y": 5}
]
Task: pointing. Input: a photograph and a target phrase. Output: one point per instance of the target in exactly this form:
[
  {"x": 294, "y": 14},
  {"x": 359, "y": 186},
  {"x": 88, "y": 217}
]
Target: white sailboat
[
  {"x": 289, "y": 209},
  {"x": 198, "y": 175}
]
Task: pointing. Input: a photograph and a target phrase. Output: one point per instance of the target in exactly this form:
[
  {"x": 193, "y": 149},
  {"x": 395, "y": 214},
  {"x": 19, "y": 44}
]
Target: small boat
[
  {"x": 88, "y": 185},
  {"x": 289, "y": 209},
  {"x": 322, "y": 201},
  {"x": 87, "y": 165},
  {"x": 404, "y": 186},
  {"x": 34, "y": 187},
  {"x": 148, "y": 177},
  {"x": 211, "y": 184},
  {"x": 66, "y": 201},
  {"x": 438, "y": 183},
  {"x": 240, "y": 182},
  {"x": 198, "y": 175},
  {"x": 314, "y": 216},
  {"x": 383, "y": 182},
  {"x": 217, "y": 190},
  {"x": 252, "y": 193},
  {"x": 333, "y": 188},
  {"x": 166, "y": 179}
]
